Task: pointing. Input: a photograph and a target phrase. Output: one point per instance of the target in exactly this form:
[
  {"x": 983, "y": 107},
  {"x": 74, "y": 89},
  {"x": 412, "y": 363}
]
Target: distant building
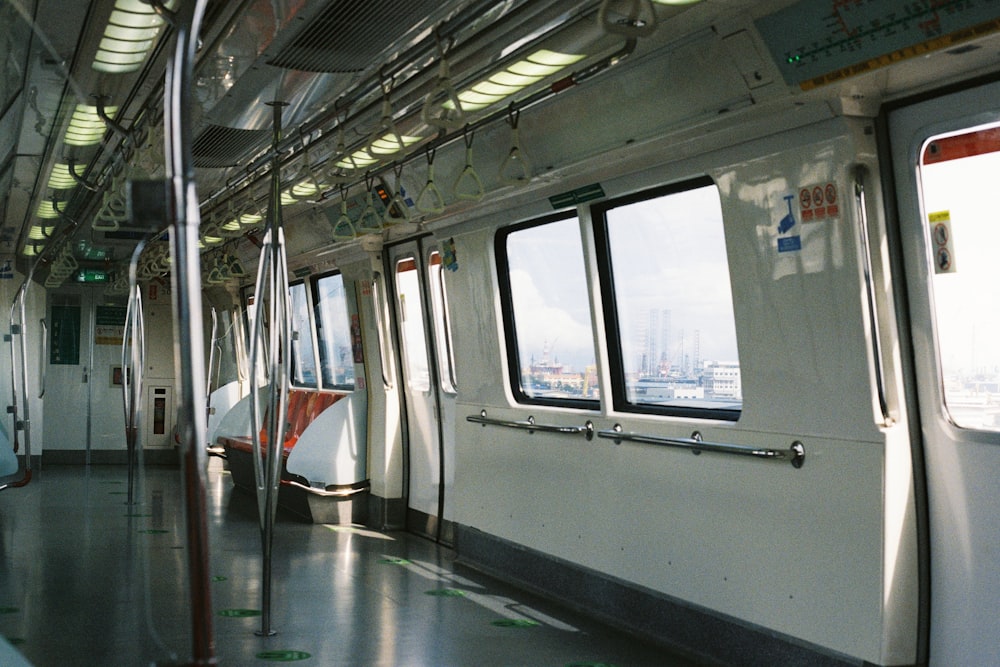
[{"x": 721, "y": 379}]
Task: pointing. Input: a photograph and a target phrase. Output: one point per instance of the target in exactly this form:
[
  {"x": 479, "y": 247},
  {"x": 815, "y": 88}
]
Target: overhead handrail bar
[
  {"x": 795, "y": 454},
  {"x": 187, "y": 316},
  {"x": 556, "y": 87},
  {"x": 530, "y": 425},
  {"x": 271, "y": 291},
  {"x": 133, "y": 364}
]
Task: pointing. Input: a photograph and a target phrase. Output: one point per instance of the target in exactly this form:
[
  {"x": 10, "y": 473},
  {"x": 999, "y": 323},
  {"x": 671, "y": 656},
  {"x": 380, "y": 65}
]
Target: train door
[
  {"x": 946, "y": 155},
  {"x": 69, "y": 372},
  {"x": 428, "y": 386}
]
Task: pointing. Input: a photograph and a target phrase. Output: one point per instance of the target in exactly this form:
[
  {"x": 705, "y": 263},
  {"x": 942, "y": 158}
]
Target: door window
[{"x": 958, "y": 181}]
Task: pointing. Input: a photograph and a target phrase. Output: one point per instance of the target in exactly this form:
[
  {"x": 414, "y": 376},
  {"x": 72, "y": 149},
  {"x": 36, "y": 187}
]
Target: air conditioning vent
[
  {"x": 349, "y": 35},
  {"x": 219, "y": 146}
]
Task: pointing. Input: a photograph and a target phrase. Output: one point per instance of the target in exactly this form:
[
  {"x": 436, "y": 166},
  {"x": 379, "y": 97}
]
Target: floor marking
[
  {"x": 446, "y": 593},
  {"x": 283, "y": 656},
  {"x": 239, "y": 613},
  {"x": 514, "y": 623}
]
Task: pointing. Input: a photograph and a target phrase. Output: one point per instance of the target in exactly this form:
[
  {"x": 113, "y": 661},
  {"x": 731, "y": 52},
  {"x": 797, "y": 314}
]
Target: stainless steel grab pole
[
  {"x": 270, "y": 295},
  {"x": 189, "y": 349},
  {"x": 133, "y": 361},
  {"x": 17, "y": 309}
]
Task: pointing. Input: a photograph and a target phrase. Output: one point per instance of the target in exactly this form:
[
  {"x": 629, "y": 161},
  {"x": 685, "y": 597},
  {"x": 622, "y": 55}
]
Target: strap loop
[
  {"x": 430, "y": 199},
  {"x": 468, "y": 186}
]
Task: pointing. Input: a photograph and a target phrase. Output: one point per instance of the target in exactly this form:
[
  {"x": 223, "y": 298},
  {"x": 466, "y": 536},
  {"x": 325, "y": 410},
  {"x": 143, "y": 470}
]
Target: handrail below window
[
  {"x": 531, "y": 425},
  {"x": 796, "y": 454}
]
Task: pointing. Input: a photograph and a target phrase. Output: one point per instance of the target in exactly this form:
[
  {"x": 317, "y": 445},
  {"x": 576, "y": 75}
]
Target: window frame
[
  {"x": 507, "y": 313},
  {"x": 315, "y": 306},
  {"x": 311, "y": 325},
  {"x": 612, "y": 324}
]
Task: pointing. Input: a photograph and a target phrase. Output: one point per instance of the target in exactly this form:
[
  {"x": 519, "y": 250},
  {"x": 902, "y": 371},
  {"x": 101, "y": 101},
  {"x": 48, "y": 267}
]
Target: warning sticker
[
  {"x": 942, "y": 242},
  {"x": 819, "y": 202}
]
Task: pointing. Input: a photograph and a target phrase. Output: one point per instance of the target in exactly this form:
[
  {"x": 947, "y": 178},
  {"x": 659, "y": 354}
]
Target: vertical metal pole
[
  {"x": 19, "y": 329},
  {"x": 271, "y": 291},
  {"x": 133, "y": 362},
  {"x": 89, "y": 374},
  {"x": 189, "y": 351}
]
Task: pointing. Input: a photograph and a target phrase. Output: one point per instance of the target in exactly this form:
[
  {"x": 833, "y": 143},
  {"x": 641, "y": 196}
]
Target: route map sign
[{"x": 818, "y": 42}]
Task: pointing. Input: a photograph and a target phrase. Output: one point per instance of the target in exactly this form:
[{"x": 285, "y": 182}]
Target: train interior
[{"x": 629, "y": 332}]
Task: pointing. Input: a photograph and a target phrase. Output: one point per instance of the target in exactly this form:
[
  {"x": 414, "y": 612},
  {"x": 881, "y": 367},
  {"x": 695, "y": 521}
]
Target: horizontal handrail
[
  {"x": 796, "y": 454},
  {"x": 531, "y": 425}
]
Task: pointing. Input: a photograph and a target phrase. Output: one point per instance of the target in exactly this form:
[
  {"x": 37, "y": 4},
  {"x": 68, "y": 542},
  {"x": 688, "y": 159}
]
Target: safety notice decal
[
  {"x": 943, "y": 244},
  {"x": 818, "y": 202}
]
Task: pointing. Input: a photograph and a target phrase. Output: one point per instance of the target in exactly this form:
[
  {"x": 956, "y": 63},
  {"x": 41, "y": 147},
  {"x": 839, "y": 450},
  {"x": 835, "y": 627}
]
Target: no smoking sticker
[{"x": 818, "y": 202}]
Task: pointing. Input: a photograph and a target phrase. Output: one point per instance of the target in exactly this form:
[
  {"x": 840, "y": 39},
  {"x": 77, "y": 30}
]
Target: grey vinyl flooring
[{"x": 86, "y": 579}]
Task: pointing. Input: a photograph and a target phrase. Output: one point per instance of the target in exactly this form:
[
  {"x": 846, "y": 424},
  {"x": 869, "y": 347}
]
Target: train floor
[{"x": 88, "y": 579}]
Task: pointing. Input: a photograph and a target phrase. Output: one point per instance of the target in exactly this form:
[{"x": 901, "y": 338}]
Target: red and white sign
[{"x": 819, "y": 202}]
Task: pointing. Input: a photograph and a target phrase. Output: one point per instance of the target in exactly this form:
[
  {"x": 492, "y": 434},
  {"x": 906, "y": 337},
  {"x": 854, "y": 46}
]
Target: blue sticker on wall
[{"x": 790, "y": 244}]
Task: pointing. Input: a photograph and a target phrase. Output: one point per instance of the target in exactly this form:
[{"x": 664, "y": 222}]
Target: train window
[
  {"x": 546, "y": 307},
  {"x": 303, "y": 358},
  {"x": 442, "y": 326},
  {"x": 668, "y": 300},
  {"x": 411, "y": 317},
  {"x": 956, "y": 172},
  {"x": 333, "y": 332}
]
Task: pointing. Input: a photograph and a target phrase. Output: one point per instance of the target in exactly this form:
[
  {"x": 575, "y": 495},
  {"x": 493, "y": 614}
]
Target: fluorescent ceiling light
[
  {"x": 388, "y": 144},
  {"x": 514, "y": 78},
  {"x": 128, "y": 37},
  {"x": 86, "y": 127},
  {"x": 40, "y": 232},
  {"x": 307, "y": 188},
  {"x": 357, "y": 160},
  {"x": 248, "y": 219},
  {"x": 61, "y": 178},
  {"x": 47, "y": 211}
]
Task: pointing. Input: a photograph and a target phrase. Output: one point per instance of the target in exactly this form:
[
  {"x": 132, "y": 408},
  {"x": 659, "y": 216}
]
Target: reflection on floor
[{"x": 86, "y": 579}]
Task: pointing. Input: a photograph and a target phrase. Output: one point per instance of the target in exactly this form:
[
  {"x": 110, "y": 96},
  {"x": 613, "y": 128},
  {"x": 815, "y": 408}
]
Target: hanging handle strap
[
  {"x": 516, "y": 168},
  {"x": 442, "y": 106},
  {"x": 468, "y": 186},
  {"x": 397, "y": 210},
  {"x": 370, "y": 220},
  {"x": 430, "y": 199},
  {"x": 385, "y": 139},
  {"x": 343, "y": 228}
]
